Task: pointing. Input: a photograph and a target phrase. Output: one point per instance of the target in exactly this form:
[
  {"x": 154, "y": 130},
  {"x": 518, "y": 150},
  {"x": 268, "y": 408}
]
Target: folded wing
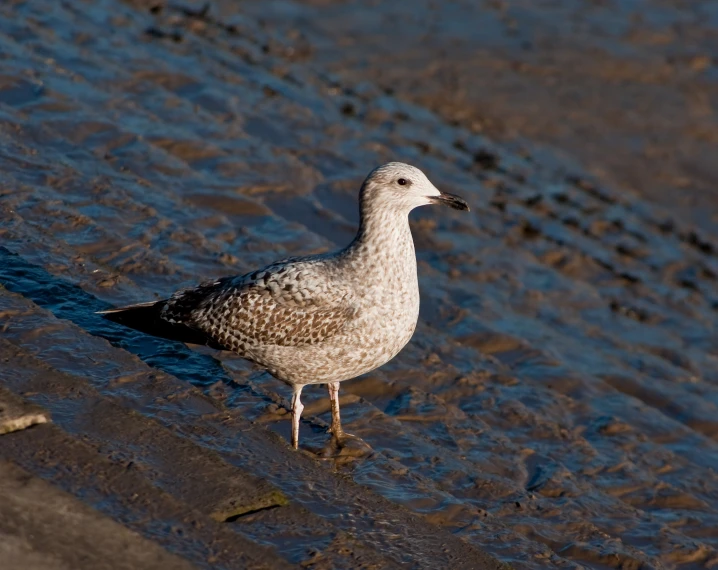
[{"x": 285, "y": 304}]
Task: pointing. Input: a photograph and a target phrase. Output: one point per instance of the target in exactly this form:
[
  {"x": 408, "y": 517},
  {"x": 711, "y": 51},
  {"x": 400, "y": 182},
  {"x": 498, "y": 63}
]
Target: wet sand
[
  {"x": 558, "y": 405},
  {"x": 627, "y": 87}
]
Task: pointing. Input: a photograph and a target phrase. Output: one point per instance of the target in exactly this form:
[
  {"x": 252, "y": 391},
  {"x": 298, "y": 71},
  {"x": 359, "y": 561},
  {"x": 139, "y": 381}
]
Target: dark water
[{"x": 558, "y": 405}]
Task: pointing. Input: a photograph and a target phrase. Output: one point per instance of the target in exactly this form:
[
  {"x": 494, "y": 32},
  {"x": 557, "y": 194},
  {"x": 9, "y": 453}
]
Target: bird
[{"x": 317, "y": 319}]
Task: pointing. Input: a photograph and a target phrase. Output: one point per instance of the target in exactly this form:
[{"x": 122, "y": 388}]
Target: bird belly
[{"x": 374, "y": 339}]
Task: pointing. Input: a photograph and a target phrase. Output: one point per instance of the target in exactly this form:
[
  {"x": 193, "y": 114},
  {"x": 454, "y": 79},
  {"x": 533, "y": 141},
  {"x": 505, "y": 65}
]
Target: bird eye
[{"x": 401, "y": 182}]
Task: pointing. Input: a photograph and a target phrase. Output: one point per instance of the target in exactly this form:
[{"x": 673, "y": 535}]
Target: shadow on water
[{"x": 70, "y": 302}]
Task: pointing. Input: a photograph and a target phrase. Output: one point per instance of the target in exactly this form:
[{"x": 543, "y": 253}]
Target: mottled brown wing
[
  {"x": 283, "y": 305},
  {"x": 257, "y": 318}
]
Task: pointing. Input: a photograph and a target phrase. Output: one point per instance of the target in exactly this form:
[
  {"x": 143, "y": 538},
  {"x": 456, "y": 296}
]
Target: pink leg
[
  {"x": 297, "y": 408},
  {"x": 336, "y": 428}
]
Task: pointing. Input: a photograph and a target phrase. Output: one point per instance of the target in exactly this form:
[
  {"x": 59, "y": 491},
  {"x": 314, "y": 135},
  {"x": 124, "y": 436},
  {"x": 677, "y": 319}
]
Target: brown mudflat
[
  {"x": 558, "y": 405},
  {"x": 38, "y": 523}
]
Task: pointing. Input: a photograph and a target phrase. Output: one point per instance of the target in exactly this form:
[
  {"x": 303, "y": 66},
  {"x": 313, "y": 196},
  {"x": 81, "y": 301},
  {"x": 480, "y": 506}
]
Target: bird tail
[{"x": 147, "y": 318}]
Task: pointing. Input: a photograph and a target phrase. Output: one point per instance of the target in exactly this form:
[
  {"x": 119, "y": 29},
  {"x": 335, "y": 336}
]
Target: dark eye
[{"x": 402, "y": 182}]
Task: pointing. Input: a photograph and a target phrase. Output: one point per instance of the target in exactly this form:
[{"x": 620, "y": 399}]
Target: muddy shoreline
[
  {"x": 558, "y": 404},
  {"x": 627, "y": 89}
]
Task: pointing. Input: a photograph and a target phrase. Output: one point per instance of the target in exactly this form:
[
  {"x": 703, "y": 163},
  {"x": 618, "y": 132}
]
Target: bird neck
[{"x": 384, "y": 237}]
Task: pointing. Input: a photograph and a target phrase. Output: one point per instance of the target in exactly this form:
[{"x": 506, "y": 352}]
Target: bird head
[{"x": 402, "y": 186}]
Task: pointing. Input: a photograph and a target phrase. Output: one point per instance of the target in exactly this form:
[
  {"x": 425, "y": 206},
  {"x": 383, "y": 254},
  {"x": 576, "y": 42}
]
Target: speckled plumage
[{"x": 323, "y": 318}]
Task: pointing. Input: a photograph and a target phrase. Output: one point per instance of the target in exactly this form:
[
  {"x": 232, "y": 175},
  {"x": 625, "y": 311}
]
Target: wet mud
[
  {"x": 626, "y": 87},
  {"x": 558, "y": 404}
]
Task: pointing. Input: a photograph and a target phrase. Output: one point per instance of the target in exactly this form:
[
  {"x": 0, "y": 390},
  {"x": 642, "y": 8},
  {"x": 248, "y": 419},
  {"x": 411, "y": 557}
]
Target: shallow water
[{"x": 558, "y": 404}]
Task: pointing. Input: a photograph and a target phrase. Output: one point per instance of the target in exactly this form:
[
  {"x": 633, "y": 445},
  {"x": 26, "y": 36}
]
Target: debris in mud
[{"x": 17, "y": 414}]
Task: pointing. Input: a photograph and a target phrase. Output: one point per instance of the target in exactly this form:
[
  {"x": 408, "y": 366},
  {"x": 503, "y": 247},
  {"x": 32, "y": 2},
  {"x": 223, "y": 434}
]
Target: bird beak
[{"x": 451, "y": 200}]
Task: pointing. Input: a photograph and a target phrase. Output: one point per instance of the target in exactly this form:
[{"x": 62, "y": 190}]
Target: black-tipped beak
[{"x": 451, "y": 200}]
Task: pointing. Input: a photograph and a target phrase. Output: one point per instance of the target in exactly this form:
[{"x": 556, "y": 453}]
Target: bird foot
[{"x": 345, "y": 447}]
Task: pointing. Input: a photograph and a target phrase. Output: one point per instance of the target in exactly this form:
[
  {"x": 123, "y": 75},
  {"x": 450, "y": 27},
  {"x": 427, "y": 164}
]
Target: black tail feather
[{"x": 147, "y": 318}]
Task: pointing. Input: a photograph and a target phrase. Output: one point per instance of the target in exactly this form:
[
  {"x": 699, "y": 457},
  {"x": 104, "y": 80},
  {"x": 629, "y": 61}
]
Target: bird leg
[
  {"x": 297, "y": 408},
  {"x": 336, "y": 428}
]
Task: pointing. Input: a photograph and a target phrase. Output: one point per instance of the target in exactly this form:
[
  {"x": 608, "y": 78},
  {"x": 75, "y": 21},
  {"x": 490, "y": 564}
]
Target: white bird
[{"x": 320, "y": 319}]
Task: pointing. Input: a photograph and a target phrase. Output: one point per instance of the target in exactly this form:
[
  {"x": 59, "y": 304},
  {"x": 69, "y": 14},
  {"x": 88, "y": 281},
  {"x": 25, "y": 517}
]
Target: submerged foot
[{"x": 345, "y": 446}]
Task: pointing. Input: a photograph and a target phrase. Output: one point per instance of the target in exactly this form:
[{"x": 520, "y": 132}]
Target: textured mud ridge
[
  {"x": 628, "y": 87},
  {"x": 557, "y": 407}
]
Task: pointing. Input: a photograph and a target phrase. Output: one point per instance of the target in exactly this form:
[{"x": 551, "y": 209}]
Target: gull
[{"x": 318, "y": 319}]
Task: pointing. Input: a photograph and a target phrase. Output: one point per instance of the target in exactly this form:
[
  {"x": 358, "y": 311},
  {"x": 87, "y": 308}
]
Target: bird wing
[{"x": 285, "y": 304}]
